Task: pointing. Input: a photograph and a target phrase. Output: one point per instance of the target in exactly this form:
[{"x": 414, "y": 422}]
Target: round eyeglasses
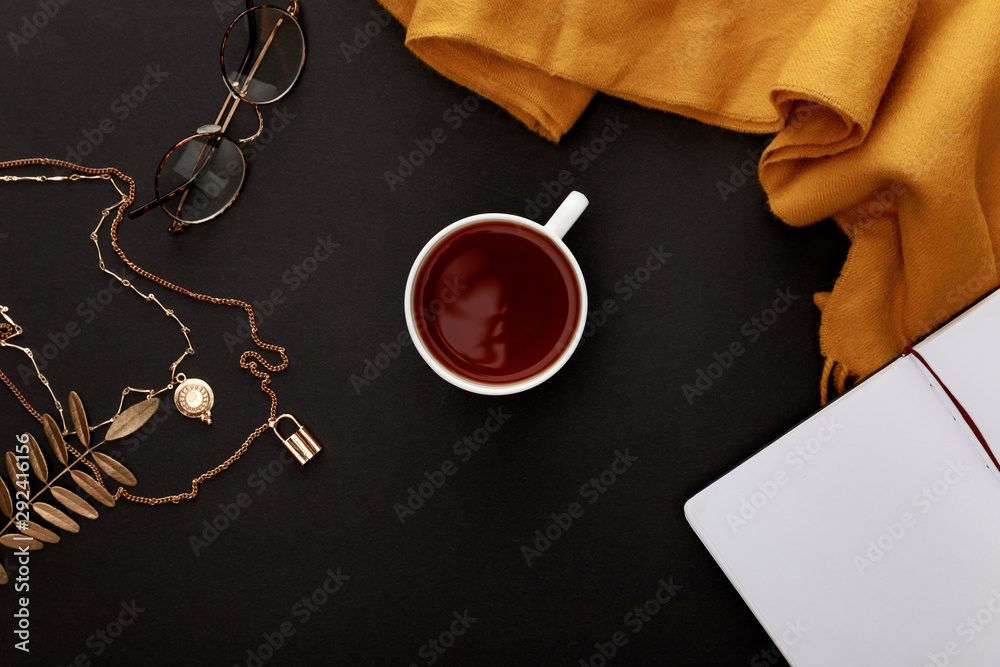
[{"x": 263, "y": 52}]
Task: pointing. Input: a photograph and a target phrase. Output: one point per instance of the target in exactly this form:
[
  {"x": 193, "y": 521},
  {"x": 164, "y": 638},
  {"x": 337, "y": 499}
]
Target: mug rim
[{"x": 495, "y": 389}]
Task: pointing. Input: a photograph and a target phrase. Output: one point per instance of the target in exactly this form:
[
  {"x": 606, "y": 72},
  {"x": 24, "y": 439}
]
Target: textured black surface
[{"x": 321, "y": 178}]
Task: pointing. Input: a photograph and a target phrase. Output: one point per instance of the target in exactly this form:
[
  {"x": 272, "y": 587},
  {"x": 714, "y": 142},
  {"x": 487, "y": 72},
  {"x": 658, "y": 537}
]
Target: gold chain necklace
[{"x": 193, "y": 397}]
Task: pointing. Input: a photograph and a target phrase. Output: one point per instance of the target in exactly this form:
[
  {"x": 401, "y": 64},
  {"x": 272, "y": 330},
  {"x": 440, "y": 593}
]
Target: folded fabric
[{"x": 886, "y": 114}]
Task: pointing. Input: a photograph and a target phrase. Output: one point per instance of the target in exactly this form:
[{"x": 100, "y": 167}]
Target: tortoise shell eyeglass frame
[{"x": 262, "y": 55}]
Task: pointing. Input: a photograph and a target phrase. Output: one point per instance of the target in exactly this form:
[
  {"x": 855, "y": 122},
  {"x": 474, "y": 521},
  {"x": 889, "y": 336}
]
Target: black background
[{"x": 322, "y": 175}]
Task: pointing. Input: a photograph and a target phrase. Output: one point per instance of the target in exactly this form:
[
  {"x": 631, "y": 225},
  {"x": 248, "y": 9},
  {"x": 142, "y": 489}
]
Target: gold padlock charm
[{"x": 302, "y": 444}]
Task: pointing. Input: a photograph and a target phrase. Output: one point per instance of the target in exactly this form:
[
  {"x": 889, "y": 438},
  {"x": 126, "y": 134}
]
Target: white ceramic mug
[{"x": 553, "y": 230}]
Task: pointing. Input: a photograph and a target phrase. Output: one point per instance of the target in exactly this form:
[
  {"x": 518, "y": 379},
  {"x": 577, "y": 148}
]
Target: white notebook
[{"x": 870, "y": 533}]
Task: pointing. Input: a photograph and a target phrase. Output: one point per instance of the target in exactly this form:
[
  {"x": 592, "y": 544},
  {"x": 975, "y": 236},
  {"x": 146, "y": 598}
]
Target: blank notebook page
[{"x": 870, "y": 533}]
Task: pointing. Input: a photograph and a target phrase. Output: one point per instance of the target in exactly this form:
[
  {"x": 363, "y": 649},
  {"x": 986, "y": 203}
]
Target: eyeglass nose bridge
[{"x": 221, "y": 124}]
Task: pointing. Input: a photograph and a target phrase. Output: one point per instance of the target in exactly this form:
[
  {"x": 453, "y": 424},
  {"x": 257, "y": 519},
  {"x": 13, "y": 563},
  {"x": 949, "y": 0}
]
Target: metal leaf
[
  {"x": 37, "y": 459},
  {"x": 6, "y": 504},
  {"x": 92, "y": 487},
  {"x": 32, "y": 529},
  {"x": 79, "y": 417},
  {"x": 73, "y": 502},
  {"x": 18, "y": 541},
  {"x": 131, "y": 420},
  {"x": 3, "y": 576},
  {"x": 114, "y": 469},
  {"x": 56, "y": 517},
  {"x": 54, "y": 435},
  {"x": 20, "y": 483},
  {"x": 12, "y": 469}
]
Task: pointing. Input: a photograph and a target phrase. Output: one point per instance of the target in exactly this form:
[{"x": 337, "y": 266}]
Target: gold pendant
[{"x": 194, "y": 398}]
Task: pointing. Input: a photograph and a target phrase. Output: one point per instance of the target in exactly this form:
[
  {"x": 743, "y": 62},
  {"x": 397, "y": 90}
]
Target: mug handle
[{"x": 567, "y": 213}]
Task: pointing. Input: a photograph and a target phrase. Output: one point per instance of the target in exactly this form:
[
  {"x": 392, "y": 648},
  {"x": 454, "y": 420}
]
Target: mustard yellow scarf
[{"x": 887, "y": 116}]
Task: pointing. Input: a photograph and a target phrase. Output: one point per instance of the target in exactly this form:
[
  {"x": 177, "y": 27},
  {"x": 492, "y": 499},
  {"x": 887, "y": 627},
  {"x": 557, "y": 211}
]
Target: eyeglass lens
[
  {"x": 217, "y": 166},
  {"x": 262, "y": 54}
]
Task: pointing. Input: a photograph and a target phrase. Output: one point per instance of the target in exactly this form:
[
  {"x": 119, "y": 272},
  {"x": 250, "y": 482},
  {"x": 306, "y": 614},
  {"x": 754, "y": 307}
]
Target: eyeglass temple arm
[{"x": 159, "y": 201}]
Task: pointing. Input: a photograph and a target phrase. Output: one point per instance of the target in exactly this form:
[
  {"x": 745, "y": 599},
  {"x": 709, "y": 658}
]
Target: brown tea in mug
[{"x": 496, "y": 302}]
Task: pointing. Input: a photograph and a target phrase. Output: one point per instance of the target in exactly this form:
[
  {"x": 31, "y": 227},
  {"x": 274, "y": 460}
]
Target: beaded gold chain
[{"x": 193, "y": 397}]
